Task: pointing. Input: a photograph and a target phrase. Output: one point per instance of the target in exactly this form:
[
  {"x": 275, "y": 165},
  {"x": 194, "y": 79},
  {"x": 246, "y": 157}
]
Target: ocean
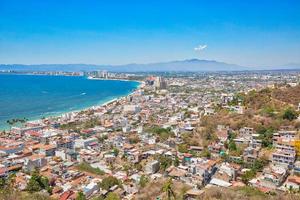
[{"x": 37, "y": 96}]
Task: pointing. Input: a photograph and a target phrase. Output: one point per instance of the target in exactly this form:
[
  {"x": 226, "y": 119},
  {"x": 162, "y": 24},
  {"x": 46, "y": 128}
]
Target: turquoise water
[{"x": 34, "y": 97}]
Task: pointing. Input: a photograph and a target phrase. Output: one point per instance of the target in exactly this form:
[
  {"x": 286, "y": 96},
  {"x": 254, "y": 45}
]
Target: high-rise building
[
  {"x": 104, "y": 74},
  {"x": 160, "y": 83}
]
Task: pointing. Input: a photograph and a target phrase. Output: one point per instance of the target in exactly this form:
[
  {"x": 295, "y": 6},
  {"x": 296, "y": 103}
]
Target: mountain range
[{"x": 191, "y": 65}]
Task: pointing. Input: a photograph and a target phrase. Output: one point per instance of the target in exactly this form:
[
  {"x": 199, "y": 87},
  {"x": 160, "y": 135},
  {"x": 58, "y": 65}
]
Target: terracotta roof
[
  {"x": 3, "y": 170},
  {"x": 33, "y": 133},
  {"x": 177, "y": 172},
  {"x": 48, "y": 147},
  {"x": 128, "y": 146},
  {"x": 14, "y": 167},
  {"x": 37, "y": 146},
  {"x": 235, "y": 166},
  {"x": 66, "y": 195},
  {"x": 56, "y": 189},
  {"x": 294, "y": 179},
  {"x": 36, "y": 156},
  {"x": 208, "y": 164},
  {"x": 264, "y": 189},
  {"x": 9, "y": 147}
]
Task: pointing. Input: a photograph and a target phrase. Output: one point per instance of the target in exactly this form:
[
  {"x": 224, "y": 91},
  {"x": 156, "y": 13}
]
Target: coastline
[
  {"x": 113, "y": 79},
  {"x": 85, "y": 108}
]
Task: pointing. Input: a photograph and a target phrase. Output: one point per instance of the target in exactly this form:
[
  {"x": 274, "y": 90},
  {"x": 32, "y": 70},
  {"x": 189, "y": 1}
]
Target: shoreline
[
  {"x": 113, "y": 79},
  {"x": 96, "y": 106}
]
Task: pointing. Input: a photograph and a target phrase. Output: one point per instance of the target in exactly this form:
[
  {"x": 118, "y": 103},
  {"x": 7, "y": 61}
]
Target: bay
[{"x": 37, "y": 96}]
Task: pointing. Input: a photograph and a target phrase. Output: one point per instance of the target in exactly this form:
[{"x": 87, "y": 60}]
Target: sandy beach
[{"x": 94, "y": 107}]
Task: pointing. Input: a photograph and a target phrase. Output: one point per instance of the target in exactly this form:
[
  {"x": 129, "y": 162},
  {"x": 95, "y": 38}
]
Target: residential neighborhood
[{"x": 195, "y": 133}]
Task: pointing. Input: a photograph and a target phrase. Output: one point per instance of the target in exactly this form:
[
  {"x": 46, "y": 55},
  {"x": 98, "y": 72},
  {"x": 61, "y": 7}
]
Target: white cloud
[{"x": 200, "y": 47}]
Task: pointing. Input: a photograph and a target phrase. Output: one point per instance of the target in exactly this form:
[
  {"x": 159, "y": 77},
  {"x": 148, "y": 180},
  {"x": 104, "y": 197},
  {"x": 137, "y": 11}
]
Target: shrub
[
  {"x": 37, "y": 183},
  {"x": 84, "y": 166},
  {"x": 108, "y": 182},
  {"x": 290, "y": 114},
  {"x": 143, "y": 181}
]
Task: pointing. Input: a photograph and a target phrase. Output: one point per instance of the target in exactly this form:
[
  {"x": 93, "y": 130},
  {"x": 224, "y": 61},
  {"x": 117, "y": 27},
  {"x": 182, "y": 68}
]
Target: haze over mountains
[{"x": 191, "y": 65}]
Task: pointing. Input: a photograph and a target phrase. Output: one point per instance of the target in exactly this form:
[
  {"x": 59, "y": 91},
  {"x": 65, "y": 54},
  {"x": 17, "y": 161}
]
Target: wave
[{"x": 55, "y": 95}]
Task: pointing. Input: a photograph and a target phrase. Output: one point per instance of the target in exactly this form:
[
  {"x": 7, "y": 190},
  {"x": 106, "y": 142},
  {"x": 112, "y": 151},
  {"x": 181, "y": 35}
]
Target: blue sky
[{"x": 250, "y": 33}]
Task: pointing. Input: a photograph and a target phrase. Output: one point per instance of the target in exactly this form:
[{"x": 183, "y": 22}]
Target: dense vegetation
[
  {"x": 266, "y": 111},
  {"x": 77, "y": 126},
  {"x": 162, "y": 133},
  {"x": 38, "y": 183},
  {"x": 143, "y": 181},
  {"x": 86, "y": 167},
  {"x": 108, "y": 182}
]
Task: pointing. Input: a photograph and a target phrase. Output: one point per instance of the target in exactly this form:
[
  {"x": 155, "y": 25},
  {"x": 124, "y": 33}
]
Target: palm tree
[
  {"x": 10, "y": 123},
  {"x": 22, "y": 121},
  {"x": 167, "y": 188},
  {"x": 16, "y": 121}
]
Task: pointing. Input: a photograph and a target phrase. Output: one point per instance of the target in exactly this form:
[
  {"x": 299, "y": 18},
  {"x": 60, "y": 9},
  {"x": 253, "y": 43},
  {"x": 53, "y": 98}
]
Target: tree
[
  {"x": 290, "y": 114},
  {"x": 80, "y": 196},
  {"x": 205, "y": 153},
  {"x": 37, "y": 183},
  {"x": 34, "y": 184},
  {"x": 7, "y": 187},
  {"x": 126, "y": 168},
  {"x": 248, "y": 175},
  {"x": 165, "y": 162},
  {"x": 143, "y": 181},
  {"x": 116, "y": 151},
  {"x": 101, "y": 197},
  {"x": 162, "y": 133},
  {"x": 16, "y": 121},
  {"x": 232, "y": 146},
  {"x": 101, "y": 139},
  {"x": 112, "y": 196},
  {"x": 22, "y": 121},
  {"x": 168, "y": 189},
  {"x": 268, "y": 111},
  {"x": 9, "y": 191},
  {"x": 183, "y": 148},
  {"x": 266, "y": 135},
  {"x": 259, "y": 164},
  {"x": 2, "y": 183},
  {"x": 84, "y": 166},
  {"x": 231, "y": 135},
  {"x": 176, "y": 162},
  {"x": 108, "y": 182},
  {"x": 10, "y": 123},
  {"x": 138, "y": 166}
]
